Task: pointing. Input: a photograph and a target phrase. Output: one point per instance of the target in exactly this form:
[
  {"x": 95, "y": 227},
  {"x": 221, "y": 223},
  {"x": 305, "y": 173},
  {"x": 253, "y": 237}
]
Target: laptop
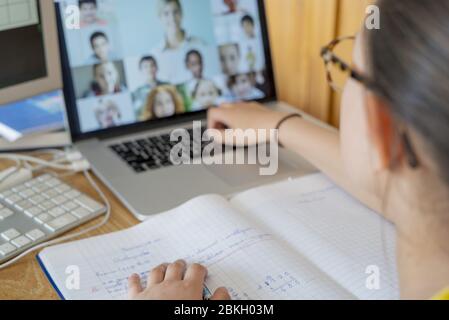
[{"x": 135, "y": 71}]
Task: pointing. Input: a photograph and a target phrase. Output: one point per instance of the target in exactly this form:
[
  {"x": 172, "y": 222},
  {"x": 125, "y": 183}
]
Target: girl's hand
[
  {"x": 173, "y": 282},
  {"x": 242, "y": 116}
]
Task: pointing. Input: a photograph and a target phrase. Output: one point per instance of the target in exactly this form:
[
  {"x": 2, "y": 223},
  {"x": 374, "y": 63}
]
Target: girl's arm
[{"x": 320, "y": 146}]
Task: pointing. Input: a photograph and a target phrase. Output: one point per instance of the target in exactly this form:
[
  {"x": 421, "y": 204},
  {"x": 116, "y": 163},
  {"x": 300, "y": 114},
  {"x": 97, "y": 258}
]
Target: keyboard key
[
  {"x": 60, "y": 199},
  {"x": 5, "y": 213},
  {"x": 5, "y": 194},
  {"x": 81, "y": 213},
  {"x": 32, "y": 212},
  {"x": 35, "y": 234},
  {"x": 23, "y": 205},
  {"x": 89, "y": 204},
  {"x": 14, "y": 198},
  {"x": 32, "y": 183},
  {"x": 62, "y": 188},
  {"x": 60, "y": 223},
  {"x": 21, "y": 242},
  {"x": 10, "y": 234},
  {"x": 53, "y": 182},
  {"x": 50, "y": 194},
  {"x": 69, "y": 206},
  {"x": 37, "y": 199},
  {"x": 47, "y": 205},
  {"x": 40, "y": 188},
  {"x": 72, "y": 194},
  {"x": 18, "y": 189},
  {"x": 6, "y": 249},
  {"x": 43, "y": 218},
  {"x": 26, "y": 193},
  {"x": 57, "y": 212}
]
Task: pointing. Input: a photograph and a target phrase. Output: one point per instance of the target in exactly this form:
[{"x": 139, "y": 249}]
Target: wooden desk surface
[{"x": 25, "y": 280}]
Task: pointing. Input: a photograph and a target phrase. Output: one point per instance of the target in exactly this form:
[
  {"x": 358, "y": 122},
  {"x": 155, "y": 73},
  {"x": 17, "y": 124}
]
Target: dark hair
[
  {"x": 232, "y": 80},
  {"x": 96, "y": 35},
  {"x": 408, "y": 60},
  {"x": 194, "y": 52},
  {"x": 148, "y": 59},
  {"x": 83, "y": 2},
  {"x": 247, "y": 18}
]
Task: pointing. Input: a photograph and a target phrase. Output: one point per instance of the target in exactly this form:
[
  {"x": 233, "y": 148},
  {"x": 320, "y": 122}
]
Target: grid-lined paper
[
  {"x": 333, "y": 231},
  {"x": 277, "y": 249}
]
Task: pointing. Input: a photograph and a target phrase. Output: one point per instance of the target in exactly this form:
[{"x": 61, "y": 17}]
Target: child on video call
[
  {"x": 106, "y": 80},
  {"x": 89, "y": 14},
  {"x": 206, "y": 94},
  {"x": 243, "y": 87},
  {"x": 107, "y": 114},
  {"x": 101, "y": 47},
  {"x": 148, "y": 68},
  {"x": 164, "y": 101}
]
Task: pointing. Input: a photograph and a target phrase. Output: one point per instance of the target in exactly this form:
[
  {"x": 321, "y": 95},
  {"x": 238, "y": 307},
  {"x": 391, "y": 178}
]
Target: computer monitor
[
  {"x": 146, "y": 61},
  {"x": 31, "y": 98}
]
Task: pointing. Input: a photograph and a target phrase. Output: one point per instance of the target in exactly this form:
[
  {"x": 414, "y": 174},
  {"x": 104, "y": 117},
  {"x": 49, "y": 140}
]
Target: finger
[
  {"x": 217, "y": 118},
  {"x": 196, "y": 273},
  {"x": 221, "y": 294},
  {"x": 157, "y": 275},
  {"x": 175, "y": 271},
  {"x": 134, "y": 286}
]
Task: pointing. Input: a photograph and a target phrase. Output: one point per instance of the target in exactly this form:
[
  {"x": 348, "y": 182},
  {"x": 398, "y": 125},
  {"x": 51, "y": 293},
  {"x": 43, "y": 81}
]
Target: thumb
[{"x": 221, "y": 294}]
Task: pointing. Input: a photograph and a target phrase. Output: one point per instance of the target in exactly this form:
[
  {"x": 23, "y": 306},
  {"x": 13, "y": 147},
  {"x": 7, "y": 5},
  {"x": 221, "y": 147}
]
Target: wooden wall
[{"x": 298, "y": 31}]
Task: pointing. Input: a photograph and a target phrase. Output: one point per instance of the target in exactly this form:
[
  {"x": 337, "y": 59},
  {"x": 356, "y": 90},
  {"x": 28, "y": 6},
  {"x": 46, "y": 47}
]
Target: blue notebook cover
[
  {"x": 44, "y": 112},
  {"x": 48, "y": 276}
]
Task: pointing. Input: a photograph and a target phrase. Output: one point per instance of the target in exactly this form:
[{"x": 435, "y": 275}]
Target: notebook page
[
  {"x": 338, "y": 234},
  {"x": 247, "y": 260}
]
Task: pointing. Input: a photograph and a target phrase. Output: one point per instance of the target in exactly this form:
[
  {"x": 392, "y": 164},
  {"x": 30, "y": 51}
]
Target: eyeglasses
[{"x": 334, "y": 64}]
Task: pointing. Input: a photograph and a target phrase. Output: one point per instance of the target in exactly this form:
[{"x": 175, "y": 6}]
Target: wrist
[{"x": 282, "y": 121}]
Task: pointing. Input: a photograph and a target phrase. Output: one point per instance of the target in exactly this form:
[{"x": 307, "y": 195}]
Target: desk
[{"x": 25, "y": 280}]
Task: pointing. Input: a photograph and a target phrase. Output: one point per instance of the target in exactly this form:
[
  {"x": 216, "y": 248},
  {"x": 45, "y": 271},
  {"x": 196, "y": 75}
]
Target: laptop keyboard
[{"x": 153, "y": 153}]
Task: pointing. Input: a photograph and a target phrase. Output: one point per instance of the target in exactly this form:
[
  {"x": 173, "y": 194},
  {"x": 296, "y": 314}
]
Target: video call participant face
[
  {"x": 164, "y": 101},
  {"x": 148, "y": 67},
  {"x": 248, "y": 26},
  {"x": 206, "y": 93},
  {"x": 232, "y": 5},
  {"x": 88, "y": 11},
  {"x": 230, "y": 59},
  {"x": 170, "y": 14},
  {"x": 194, "y": 63},
  {"x": 101, "y": 46},
  {"x": 108, "y": 115},
  {"x": 241, "y": 85},
  {"x": 106, "y": 77}
]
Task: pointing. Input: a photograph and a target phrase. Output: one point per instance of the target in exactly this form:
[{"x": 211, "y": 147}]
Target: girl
[
  {"x": 164, "y": 101},
  {"x": 392, "y": 151}
]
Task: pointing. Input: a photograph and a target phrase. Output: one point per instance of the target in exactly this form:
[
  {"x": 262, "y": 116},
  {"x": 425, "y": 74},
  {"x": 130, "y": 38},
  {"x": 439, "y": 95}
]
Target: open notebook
[{"x": 298, "y": 239}]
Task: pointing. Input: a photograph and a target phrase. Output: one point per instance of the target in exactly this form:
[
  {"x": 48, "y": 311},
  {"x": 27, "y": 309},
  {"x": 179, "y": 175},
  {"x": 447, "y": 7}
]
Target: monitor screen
[
  {"x": 21, "y": 32},
  {"x": 144, "y": 60},
  {"x": 31, "y": 97}
]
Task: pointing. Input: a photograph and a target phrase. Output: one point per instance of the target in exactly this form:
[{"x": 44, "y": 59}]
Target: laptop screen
[{"x": 145, "y": 60}]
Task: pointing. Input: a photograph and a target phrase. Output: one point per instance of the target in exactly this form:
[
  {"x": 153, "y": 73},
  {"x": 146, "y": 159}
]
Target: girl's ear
[{"x": 381, "y": 130}]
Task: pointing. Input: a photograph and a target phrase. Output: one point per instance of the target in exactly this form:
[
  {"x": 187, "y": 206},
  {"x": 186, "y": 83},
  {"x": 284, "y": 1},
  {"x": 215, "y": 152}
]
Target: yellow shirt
[{"x": 443, "y": 295}]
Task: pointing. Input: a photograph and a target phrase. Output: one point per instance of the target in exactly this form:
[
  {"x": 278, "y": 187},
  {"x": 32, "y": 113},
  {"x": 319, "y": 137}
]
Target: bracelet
[{"x": 283, "y": 120}]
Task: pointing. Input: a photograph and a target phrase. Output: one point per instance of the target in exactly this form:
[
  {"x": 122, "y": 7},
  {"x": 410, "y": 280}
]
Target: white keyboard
[{"x": 39, "y": 210}]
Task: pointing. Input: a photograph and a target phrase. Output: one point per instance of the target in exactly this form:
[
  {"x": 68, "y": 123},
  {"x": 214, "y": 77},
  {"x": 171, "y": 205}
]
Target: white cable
[
  {"x": 18, "y": 166},
  {"x": 80, "y": 165},
  {"x": 70, "y": 236}
]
